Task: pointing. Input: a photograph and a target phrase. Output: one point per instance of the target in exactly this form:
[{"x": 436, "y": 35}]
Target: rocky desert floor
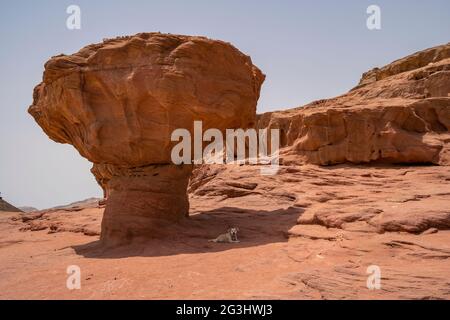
[{"x": 308, "y": 232}]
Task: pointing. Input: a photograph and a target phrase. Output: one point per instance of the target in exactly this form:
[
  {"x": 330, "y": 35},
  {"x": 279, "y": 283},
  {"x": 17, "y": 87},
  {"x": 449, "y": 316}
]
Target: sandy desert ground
[{"x": 307, "y": 233}]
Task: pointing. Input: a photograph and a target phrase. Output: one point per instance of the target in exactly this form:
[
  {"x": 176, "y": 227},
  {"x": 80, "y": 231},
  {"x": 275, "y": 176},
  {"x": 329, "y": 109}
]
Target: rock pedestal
[
  {"x": 142, "y": 201},
  {"x": 118, "y": 103}
]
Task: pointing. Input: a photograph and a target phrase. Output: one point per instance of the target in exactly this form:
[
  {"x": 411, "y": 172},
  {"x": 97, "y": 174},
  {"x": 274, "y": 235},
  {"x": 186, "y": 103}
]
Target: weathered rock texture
[
  {"x": 119, "y": 101},
  {"x": 398, "y": 114},
  {"x": 309, "y": 232}
]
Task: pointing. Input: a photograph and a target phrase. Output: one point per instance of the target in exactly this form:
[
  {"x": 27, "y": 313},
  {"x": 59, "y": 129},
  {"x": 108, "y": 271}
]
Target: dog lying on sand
[{"x": 229, "y": 237}]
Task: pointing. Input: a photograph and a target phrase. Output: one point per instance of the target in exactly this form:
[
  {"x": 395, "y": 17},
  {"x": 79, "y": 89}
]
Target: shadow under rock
[{"x": 256, "y": 228}]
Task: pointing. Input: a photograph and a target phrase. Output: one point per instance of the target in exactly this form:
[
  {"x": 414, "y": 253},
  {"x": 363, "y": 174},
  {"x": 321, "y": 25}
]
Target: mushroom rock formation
[
  {"x": 118, "y": 103},
  {"x": 399, "y": 113}
]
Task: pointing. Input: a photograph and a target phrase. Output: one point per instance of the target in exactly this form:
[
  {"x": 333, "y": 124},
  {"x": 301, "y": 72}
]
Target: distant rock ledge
[
  {"x": 7, "y": 207},
  {"x": 399, "y": 113}
]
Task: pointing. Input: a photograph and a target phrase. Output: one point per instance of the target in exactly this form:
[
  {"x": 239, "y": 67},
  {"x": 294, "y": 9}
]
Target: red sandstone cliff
[{"x": 397, "y": 114}]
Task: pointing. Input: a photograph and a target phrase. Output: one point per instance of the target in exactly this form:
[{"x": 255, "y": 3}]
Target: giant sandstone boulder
[{"x": 118, "y": 102}]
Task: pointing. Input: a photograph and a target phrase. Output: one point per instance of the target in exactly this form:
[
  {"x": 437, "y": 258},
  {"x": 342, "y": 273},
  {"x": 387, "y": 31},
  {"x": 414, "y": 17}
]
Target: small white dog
[{"x": 229, "y": 237}]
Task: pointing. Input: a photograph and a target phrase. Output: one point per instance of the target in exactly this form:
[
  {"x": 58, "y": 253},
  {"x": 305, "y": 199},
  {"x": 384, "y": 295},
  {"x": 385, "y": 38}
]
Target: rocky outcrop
[
  {"x": 370, "y": 199},
  {"x": 118, "y": 102},
  {"x": 7, "y": 207},
  {"x": 400, "y": 116},
  {"x": 415, "y": 61}
]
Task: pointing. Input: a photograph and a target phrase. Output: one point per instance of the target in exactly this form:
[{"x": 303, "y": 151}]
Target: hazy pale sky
[{"x": 308, "y": 49}]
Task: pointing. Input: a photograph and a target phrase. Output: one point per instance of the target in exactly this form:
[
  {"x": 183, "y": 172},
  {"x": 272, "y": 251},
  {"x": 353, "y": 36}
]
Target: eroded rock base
[{"x": 142, "y": 201}]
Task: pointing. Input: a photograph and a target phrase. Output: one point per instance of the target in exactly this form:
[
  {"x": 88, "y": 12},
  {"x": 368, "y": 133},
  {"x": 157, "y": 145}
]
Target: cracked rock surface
[{"x": 306, "y": 233}]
